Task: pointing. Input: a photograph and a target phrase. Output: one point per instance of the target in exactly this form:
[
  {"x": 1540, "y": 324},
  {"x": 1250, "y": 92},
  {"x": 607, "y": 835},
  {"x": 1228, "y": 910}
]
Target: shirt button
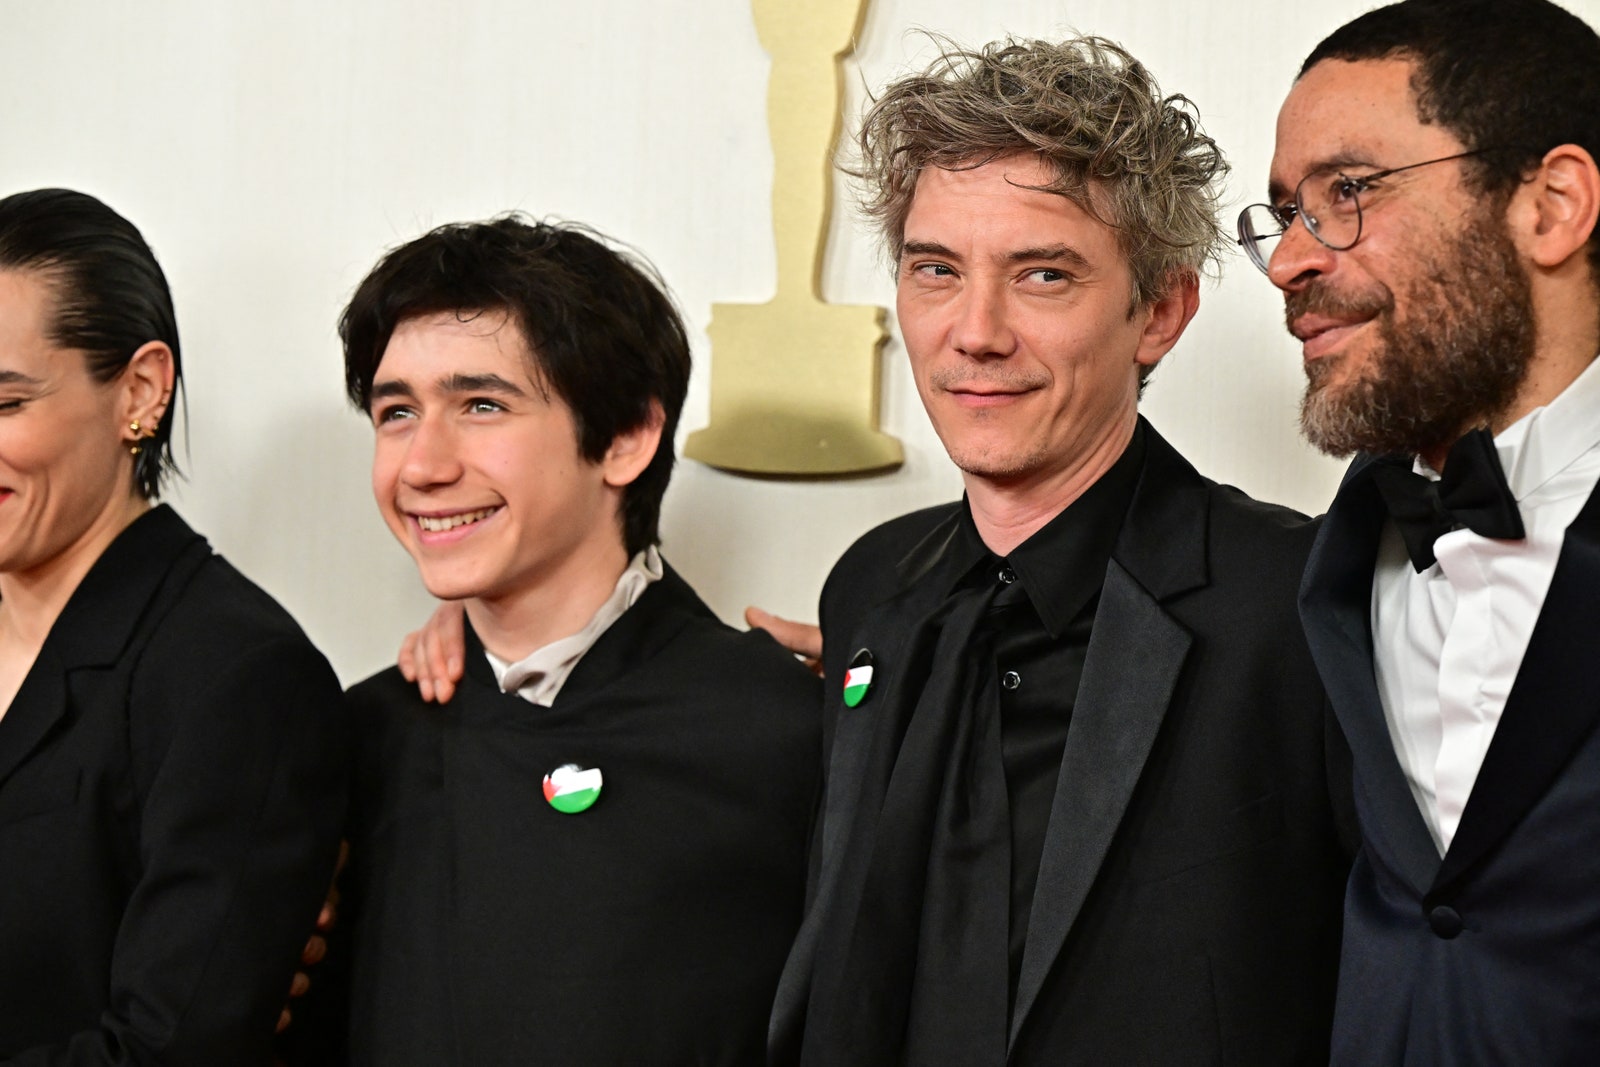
[
  {"x": 1446, "y": 921},
  {"x": 1007, "y": 575},
  {"x": 1011, "y": 679}
]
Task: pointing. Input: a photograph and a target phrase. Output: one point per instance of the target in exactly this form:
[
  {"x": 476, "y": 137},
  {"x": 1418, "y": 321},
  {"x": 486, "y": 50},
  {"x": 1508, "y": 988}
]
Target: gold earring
[{"x": 134, "y": 426}]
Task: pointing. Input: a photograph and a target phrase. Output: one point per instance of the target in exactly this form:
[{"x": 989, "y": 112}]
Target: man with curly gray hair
[{"x": 1078, "y": 800}]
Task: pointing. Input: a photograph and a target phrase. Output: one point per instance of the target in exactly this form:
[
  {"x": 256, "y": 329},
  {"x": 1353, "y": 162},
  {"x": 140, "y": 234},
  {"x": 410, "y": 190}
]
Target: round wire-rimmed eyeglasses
[{"x": 1328, "y": 201}]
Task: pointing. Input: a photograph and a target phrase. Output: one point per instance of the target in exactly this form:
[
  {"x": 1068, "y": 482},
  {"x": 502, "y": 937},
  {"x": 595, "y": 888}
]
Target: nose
[
  {"x": 1298, "y": 257},
  {"x": 982, "y": 328},
  {"x": 432, "y": 456}
]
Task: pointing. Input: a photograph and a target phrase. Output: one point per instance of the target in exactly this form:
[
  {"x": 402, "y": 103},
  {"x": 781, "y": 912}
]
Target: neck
[
  {"x": 557, "y": 605},
  {"x": 1009, "y": 511},
  {"x": 31, "y": 600}
]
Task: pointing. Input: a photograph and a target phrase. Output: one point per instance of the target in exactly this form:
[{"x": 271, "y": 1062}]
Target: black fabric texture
[{"x": 486, "y": 928}]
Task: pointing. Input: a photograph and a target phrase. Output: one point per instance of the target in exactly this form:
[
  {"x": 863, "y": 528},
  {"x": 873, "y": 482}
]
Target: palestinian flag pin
[
  {"x": 571, "y": 789},
  {"x": 858, "y": 679}
]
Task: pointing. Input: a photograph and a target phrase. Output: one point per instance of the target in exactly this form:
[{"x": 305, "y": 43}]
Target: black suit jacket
[
  {"x": 1187, "y": 907},
  {"x": 1492, "y": 953},
  {"x": 172, "y": 781},
  {"x": 488, "y": 928}
]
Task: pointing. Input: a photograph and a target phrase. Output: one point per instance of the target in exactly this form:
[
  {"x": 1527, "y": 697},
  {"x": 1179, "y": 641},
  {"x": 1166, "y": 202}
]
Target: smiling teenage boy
[{"x": 595, "y": 852}]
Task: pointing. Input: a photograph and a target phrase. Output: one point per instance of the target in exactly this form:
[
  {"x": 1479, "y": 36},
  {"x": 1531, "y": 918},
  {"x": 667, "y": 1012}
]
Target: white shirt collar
[{"x": 539, "y": 676}]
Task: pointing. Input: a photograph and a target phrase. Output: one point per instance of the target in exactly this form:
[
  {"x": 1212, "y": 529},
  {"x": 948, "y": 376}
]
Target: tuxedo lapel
[
  {"x": 1136, "y": 653},
  {"x": 1336, "y": 609},
  {"x": 1553, "y": 705}
]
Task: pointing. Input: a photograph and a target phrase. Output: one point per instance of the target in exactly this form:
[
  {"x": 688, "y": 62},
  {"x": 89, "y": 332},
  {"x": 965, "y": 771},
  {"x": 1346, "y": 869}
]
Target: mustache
[
  {"x": 1319, "y": 298},
  {"x": 952, "y": 377}
]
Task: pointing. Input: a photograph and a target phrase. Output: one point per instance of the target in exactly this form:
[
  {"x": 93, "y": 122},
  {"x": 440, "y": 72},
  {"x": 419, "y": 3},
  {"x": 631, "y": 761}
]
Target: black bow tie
[{"x": 1472, "y": 492}]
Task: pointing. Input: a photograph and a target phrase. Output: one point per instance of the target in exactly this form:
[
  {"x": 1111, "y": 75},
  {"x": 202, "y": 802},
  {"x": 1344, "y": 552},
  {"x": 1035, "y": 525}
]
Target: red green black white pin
[
  {"x": 571, "y": 788},
  {"x": 858, "y": 679}
]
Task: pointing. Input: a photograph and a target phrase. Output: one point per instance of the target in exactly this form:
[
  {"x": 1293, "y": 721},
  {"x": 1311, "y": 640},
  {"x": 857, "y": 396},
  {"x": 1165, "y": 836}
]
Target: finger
[
  {"x": 301, "y": 983},
  {"x": 439, "y": 664},
  {"x": 283, "y": 1020},
  {"x": 316, "y": 948},
  {"x": 453, "y": 641},
  {"x": 407, "y": 660},
  {"x": 800, "y": 638}
]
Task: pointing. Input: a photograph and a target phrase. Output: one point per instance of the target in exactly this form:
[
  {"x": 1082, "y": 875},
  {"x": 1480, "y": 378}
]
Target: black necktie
[
  {"x": 1472, "y": 492},
  {"x": 912, "y": 964}
]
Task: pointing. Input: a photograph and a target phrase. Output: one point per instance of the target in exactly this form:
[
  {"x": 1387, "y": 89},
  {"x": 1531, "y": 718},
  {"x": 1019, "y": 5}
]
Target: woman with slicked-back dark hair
[{"x": 171, "y": 745}]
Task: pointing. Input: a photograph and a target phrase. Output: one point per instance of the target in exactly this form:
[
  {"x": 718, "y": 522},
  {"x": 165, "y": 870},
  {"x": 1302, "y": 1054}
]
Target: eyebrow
[
  {"x": 16, "y": 377},
  {"x": 925, "y": 248},
  {"x": 1058, "y": 253},
  {"x": 1277, "y": 191},
  {"x": 1049, "y": 254},
  {"x": 450, "y": 384}
]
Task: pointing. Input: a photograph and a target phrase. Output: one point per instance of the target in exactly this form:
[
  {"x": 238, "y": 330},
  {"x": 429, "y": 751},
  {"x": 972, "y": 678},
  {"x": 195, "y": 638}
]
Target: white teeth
[{"x": 450, "y": 522}]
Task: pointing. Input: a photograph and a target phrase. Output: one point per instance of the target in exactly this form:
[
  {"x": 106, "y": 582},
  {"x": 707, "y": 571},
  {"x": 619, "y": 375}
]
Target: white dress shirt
[
  {"x": 539, "y": 675},
  {"x": 1448, "y": 641}
]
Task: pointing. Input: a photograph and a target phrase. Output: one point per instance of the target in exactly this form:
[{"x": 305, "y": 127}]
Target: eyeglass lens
[{"x": 1327, "y": 202}]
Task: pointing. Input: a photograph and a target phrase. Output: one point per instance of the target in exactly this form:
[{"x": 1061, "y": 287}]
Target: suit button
[
  {"x": 1446, "y": 921},
  {"x": 1011, "y": 679},
  {"x": 1007, "y": 575}
]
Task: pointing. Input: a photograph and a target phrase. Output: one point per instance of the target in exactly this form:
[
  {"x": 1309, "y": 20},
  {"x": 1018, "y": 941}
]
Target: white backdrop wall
[{"x": 271, "y": 150}]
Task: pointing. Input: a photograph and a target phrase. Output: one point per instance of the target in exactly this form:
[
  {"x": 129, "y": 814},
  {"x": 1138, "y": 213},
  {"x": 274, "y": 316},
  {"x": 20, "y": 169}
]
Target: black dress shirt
[{"x": 1039, "y": 641}]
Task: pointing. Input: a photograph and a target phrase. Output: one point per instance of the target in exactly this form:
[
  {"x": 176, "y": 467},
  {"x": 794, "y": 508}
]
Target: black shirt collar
[{"x": 1064, "y": 563}]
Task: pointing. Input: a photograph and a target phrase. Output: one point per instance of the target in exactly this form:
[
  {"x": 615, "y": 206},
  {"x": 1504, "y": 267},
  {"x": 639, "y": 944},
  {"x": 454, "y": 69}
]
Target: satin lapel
[
  {"x": 35, "y": 709},
  {"x": 1336, "y": 610},
  {"x": 886, "y": 629},
  {"x": 1136, "y": 651},
  {"x": 1135, "y": 654},
  {"x": 1553, "y": 705}
]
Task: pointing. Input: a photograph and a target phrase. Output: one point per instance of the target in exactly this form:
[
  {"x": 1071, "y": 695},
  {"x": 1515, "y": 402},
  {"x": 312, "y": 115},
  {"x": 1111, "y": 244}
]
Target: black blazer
[
  {"x": 1187, "y": 907},
  {"x": 1492, "y": 953},
  {"x": 487, "y": 928},
  {"x": 172, "y": 779}
]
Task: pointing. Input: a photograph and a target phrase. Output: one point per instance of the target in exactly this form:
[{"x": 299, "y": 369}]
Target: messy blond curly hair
[{"x": 1127, "y": 155}]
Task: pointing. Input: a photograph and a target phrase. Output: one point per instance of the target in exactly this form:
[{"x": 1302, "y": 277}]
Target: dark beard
[{"x": 1456, "y": 362}]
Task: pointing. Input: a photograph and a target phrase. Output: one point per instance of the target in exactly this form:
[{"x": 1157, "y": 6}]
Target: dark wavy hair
[
  {"x": 602, "y": 331},
  {"x": 110, "y": 296}
]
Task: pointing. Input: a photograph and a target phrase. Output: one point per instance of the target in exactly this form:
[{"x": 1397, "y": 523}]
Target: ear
[
  {"x": 1553, "y": 213},
  {"x": 632, "y": 450},
  {"x": 146, "y": 385},
  {"x": 1167, "y": 316}
]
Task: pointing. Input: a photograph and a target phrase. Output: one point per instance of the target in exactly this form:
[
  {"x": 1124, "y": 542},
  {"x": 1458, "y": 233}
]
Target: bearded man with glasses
[{"x": 1431, "y": 220}]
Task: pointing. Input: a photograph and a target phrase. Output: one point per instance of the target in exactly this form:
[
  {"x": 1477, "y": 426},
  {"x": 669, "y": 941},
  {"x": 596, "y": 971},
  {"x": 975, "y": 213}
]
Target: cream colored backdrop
[{"x": 269, "y": 151}]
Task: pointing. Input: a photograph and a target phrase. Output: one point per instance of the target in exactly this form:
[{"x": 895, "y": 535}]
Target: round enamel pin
[
  {"x": 858, "y": 679},
  {"x": 571, "y": 789}
]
